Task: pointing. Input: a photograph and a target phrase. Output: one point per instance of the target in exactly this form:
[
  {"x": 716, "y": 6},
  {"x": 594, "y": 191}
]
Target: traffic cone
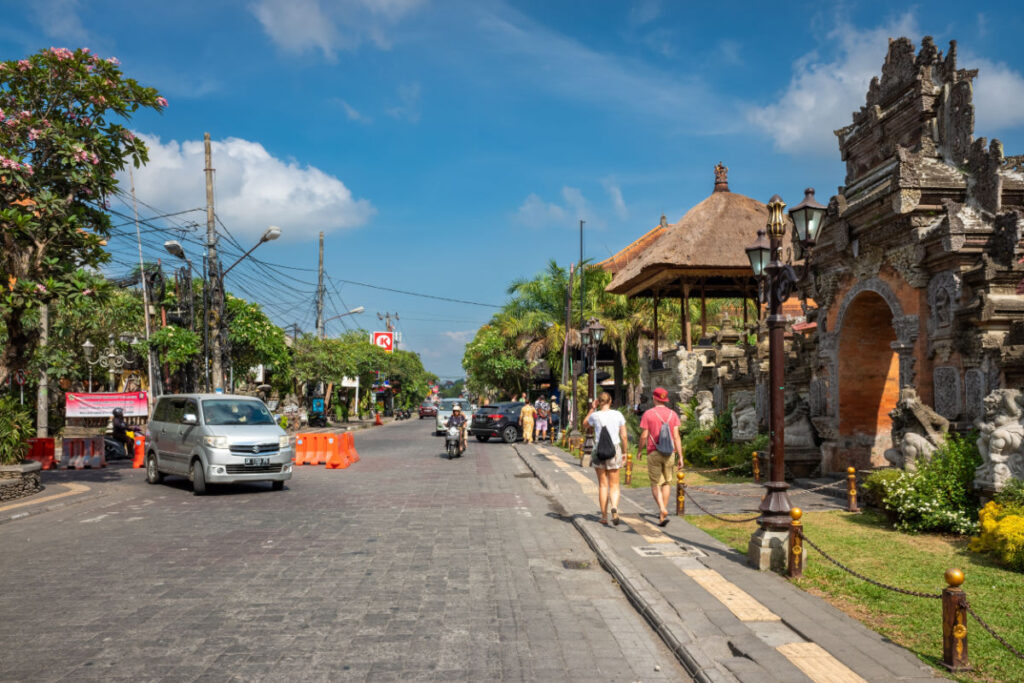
[{"x": 377, "y": 421}]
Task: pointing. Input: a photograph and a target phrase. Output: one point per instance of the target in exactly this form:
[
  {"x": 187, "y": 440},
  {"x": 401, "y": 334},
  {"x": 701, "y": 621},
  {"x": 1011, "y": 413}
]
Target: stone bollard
[
  {"x": 629, "y": 469},
  {"x": 851, "y": 493},
  {"x": 757, "y": 468},
  {"x": 954, "y": 623},
  {"x": 680, "y": 493},
  {"x": 795, "y": 565}
]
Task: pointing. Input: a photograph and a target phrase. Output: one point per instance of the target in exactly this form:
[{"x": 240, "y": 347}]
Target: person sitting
[
  {"x": 119, "y": 432},
  {"x": 457, "y": 419}
]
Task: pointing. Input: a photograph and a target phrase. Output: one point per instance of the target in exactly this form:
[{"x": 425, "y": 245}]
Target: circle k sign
[{"x": 385, "y": 340}]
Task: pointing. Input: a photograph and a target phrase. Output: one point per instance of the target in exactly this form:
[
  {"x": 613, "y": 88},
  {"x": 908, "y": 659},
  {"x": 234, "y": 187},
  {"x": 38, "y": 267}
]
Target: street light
[
  {"x": 355, "y": 311},
  {"x": 112, "y": 360},
  {"x": 269, "y": 235},
  {"x": 779, "y": 279}
]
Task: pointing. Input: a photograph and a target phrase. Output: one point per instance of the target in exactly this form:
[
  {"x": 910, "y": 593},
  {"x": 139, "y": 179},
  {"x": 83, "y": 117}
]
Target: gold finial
[
  {"x": 795, "y": 514},
  {"x": 850, "y": 470},
  {"x": 954, "y": 577},
  {"x": 721, "y": 178}
]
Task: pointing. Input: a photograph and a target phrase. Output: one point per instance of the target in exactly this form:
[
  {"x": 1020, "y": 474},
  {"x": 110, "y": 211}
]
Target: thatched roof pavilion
[{"x": 703, "y": 254}]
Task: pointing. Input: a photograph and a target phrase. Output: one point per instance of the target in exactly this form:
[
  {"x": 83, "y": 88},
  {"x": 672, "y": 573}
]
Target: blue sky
[{"x": 448, "y": 147}]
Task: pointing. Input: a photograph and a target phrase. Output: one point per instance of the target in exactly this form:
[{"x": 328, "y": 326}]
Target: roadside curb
[
  {"x": 643, "y": 596},
  {"x": 39, "y": 508}
]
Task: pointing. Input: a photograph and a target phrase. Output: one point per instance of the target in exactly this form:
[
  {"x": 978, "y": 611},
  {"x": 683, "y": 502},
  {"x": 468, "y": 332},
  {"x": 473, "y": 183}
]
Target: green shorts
[{"x": 661, "y": 468}]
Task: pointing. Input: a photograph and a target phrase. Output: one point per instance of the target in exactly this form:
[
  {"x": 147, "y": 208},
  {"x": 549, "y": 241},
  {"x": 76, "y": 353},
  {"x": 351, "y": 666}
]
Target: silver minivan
[{"x": 216, "y": 439}]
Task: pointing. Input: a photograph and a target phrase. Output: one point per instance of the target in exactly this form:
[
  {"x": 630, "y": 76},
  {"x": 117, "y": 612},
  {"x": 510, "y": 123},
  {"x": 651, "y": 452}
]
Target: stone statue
[
  {"x": 705, "y": 410},
  {"x": 744, "y": 416},
  {"x": 799, "y": 430},
  {"x": 690, "y": 365},
  {"x": 1002, "y": 434},
  {"x": 917, "y": 431}
]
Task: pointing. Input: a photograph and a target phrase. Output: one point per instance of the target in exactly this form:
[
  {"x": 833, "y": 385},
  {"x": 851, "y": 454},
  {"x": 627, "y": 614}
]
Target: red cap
[{"x": 660, "y": 394}]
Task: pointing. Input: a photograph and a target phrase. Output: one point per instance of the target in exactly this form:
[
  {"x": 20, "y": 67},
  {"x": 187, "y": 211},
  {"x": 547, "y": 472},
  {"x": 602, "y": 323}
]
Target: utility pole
[
  {"x": 150, "y": 353},
  {"x": 43, "y": 394},
  {"x": 216, "y": 293},
  {"x": 320, "y": 291},
  {"x": 387, "y": 317},
  {"x": 568, "y": 406}
]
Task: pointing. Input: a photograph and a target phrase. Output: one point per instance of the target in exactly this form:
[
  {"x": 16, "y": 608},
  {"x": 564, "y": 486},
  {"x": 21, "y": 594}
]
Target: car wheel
[
  {"x": 482, "y": 437},
  {"x": 277, "y": 486},
  {"x": 198, "y": 476},
  {"x": 153, "y": 475},
  {"x": 510, "y": 434}
]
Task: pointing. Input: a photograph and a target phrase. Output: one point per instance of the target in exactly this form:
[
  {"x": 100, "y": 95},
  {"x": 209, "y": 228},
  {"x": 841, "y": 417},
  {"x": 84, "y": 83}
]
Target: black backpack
[{"x": 605, "y": 449}]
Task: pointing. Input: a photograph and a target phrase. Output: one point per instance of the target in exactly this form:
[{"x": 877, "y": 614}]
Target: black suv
[{"x": 499, "y": 419}]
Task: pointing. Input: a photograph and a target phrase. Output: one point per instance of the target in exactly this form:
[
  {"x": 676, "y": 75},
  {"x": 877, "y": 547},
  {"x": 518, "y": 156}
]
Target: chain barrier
[
  {"x": 706, "y": 471},
  {"x": 991, "y": 632},
  {"x": 897, "y": 589},
  {"x": 818, "y": 488},
  {"x": 726, "y": 494},
  {"x": 722, "y": 519}
]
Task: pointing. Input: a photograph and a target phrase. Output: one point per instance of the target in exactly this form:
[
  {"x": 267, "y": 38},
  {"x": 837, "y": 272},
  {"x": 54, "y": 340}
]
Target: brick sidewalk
[{"x": 724, "y": 620}]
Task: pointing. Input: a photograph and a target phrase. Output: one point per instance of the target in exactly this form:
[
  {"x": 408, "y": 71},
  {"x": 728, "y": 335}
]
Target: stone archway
[{"x": 868, "y": 373}]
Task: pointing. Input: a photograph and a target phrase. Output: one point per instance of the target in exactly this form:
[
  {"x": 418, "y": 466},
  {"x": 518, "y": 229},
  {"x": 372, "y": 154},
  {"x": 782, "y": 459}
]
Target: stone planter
[{"x": 18, "y": 481}]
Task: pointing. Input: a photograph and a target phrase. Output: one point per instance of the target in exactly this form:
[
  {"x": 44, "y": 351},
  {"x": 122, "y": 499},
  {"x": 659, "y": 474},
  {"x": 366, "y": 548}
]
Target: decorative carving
[
  {"x": 957, "y": 121},
  {"x": 689, "y": 366},
  {"x": 986, "y": 186},
  {"x": 817, "y": 397},
  {"x": 721, "y": 178},
  {"x": 1005, "y": 238},
  {"x": 744, "y": 416},
  {"x": 826, "y": 285},
  {"x": 948, "y": 396},
  {"x": 907, "y": 362},
  {"x": 906, "y": 328},
  {"x": 907, "y": 262},
  {"x": 799, "y": 430},
  {"x": 943, "y": 300},
  {"x": 826, "y": 427},
  {"x": 917, "y": 431},
  {"x": 761, "y": 402},
  {"x": 705, "y": 410},
  {"x": 877, "y": 286},
  {"x": 974, "y": 393},
  {"x": 1001, "y": 437},
  {"x": 718, "y": 398},
  {"x": 868, "y": 265}
]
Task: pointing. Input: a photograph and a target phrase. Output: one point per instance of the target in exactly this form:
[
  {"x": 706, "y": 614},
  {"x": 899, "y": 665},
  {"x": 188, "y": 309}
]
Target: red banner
[{"x": 133, "y": 403}]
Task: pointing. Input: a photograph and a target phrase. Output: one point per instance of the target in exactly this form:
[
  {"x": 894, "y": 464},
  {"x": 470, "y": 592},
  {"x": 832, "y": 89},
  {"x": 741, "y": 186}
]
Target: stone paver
[{"x": 405, "y": 566}]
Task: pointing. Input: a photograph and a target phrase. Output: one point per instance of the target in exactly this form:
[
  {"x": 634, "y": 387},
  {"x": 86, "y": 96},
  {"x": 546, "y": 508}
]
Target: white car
[{"x": 444, "y": 411}]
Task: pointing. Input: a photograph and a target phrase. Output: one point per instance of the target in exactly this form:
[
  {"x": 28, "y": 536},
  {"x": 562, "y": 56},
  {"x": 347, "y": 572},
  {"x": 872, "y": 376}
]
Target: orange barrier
[
  {"x": 301, "y": 446},
  {"x": 80, "y": 453},
  {"x": 339, "y": 458},
  {"x": 41, "y": 450},
  {"x": 140, "y": 451},
  {"x": 352, "y": 454}
]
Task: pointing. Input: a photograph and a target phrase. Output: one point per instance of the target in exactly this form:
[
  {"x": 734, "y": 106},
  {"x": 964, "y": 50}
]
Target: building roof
[
  {"x": 706, "y": 246},
  {"x": 613, "y": 264}
]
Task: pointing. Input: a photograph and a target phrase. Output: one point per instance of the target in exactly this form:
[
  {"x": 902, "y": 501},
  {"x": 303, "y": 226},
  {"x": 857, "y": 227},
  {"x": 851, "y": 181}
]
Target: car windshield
[
  {"x": 449, "y": 404},
  {"x": 235, "y": 412}
]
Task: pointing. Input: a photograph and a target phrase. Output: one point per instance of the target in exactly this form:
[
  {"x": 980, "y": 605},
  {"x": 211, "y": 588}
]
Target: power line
[{"x": 424, "y": 296}]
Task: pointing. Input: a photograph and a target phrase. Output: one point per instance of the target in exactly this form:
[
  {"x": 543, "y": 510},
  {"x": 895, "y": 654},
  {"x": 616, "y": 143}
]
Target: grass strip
[{"x": 865, "y": 542}]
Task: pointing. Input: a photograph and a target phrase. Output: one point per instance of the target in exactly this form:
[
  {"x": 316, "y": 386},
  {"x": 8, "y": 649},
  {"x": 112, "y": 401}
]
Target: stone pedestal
[{"x": 768, "y": 550}]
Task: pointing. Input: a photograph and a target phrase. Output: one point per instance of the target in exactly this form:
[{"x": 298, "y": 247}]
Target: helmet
[
  {"x": 457, "y": 408},
  {"x": 118, "y": 412}
]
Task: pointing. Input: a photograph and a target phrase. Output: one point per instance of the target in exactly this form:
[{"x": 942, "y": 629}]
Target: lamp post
[
  {"x": 355, "y": 311},
  {"x": 111, "y": 360},
  {"x": 767, "y": 547},
  {"x": 593, "y": 334}
]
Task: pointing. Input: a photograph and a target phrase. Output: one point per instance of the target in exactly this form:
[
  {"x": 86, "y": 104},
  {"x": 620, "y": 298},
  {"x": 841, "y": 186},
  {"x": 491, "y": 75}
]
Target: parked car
[
  {"x": 499, "y": 420},
  {"x": 444, "y": 411},
  {"x": 427, "y": 409},
  {"x": 216, "y": 439}
]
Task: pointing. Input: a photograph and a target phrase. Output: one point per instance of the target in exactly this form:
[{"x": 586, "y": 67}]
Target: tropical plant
[
  {"x": 61, "y": 145},
  {"x": 15, "y": 430}
]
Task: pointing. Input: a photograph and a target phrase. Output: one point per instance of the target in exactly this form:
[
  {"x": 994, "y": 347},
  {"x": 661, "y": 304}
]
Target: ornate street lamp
[
  {"x": 111, "y": 359},
  {"x": 779, "y": 279}
]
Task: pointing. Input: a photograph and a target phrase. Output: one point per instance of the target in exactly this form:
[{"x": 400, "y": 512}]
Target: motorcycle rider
[
  {"x": 457, "y": 419},
  {"x": 120, "y": 432}
]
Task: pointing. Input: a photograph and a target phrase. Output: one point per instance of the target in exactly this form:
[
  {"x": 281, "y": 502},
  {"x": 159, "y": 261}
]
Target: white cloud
[
  {"x": 352, "y": 113},
  {"x": 59, "y": 19},
  {"x": 534, "y": 212},
  {"x": 460, "y": 336},
  {"x": 253, "y": 189},
  {"x": 998, "y": 95},
  {"x": 822, "y": 95},
  {"x": 409, "y": 103},
  {"x": 615, "y": 196},
  {"x": 300, "y": 25},
  {"x": 644, "y": 11}
]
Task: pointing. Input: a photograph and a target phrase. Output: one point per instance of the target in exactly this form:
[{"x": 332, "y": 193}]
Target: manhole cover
[
  {"x": 576, "y": 564},
  {"x": 669, "y": 550}
]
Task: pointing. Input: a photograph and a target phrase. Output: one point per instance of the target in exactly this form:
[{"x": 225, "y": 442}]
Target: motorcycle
[
  {"x": 453, "y": 443},
  {"x": 317, "y": 414}
]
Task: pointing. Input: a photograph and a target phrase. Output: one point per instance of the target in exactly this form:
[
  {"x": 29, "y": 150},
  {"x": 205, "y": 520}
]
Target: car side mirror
[{"x": 190, "y": 419}]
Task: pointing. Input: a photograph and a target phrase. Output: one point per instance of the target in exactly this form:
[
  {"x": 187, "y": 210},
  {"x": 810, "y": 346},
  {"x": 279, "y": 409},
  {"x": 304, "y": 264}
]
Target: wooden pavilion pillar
[
  {"x": 703, "y": 312},
  {"x": 657, "y": 356},
  {"x": 684, "y": 322}
]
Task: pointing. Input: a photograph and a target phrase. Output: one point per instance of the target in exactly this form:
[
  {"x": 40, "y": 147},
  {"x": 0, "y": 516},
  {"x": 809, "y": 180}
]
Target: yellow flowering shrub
[{"x": 1002, "y": 534}]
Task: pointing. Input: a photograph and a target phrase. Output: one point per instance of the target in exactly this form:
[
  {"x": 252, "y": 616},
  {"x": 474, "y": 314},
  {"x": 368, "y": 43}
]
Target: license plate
[{"x": 257, "y": 462}]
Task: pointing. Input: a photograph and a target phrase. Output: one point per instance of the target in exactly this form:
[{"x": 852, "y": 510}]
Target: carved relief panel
[{"x": 948, "y": 392}]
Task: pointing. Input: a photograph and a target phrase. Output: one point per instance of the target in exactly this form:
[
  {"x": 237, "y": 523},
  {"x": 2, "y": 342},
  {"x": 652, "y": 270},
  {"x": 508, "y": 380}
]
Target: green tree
[
  {"x": 61, "y": 144},
  {"x": 255, "y": 340}
]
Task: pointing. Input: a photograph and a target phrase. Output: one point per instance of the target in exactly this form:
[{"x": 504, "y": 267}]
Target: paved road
[{"x": 405, "y": 566}]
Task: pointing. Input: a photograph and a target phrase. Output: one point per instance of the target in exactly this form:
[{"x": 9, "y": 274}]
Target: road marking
[
  {"x": 92, "y": 519},
  {"x": 739, "y": 602},
  {"x": 817, "y": 664},
  {"x": 73, "y": 490},
  {"x": 647, "y": 531}
]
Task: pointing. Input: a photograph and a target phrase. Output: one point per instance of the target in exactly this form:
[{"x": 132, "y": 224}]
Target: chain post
[
  {"x": 680, "y": 493},
  {"x": 954, "y": 623},
  {"x": 795, "y": 566},
  {"x": 851, "y": 494},
  {"x": 757, "y": 467},
  {"x": 629, "y": 469}
]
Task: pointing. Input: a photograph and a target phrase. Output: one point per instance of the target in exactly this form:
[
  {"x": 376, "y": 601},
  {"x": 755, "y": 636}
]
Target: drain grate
[
  {"x": 523, "y": 475},
  {"x": 577, "y": 564},
  {"x": 669, "y": 550}
]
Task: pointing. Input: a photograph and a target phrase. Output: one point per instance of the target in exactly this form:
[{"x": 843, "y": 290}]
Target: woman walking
[
  {"x": 601, "y": 416},
  {"x": 526, "y": 415}
]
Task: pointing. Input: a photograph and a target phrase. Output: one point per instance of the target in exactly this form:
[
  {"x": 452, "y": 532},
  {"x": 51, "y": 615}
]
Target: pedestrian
[
  {"x": 556, "y": 418},
  {"x": 543, "y": 414},
  {"x": 659, "y": 431},
  {"x": 119, "y": 432},
  {"x": 611, "y": 422},
  {"x": 526, "y": 416}
]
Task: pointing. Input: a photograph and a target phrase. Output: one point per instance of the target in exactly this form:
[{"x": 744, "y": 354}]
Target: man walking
[{"x": 659, "y": 430}]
